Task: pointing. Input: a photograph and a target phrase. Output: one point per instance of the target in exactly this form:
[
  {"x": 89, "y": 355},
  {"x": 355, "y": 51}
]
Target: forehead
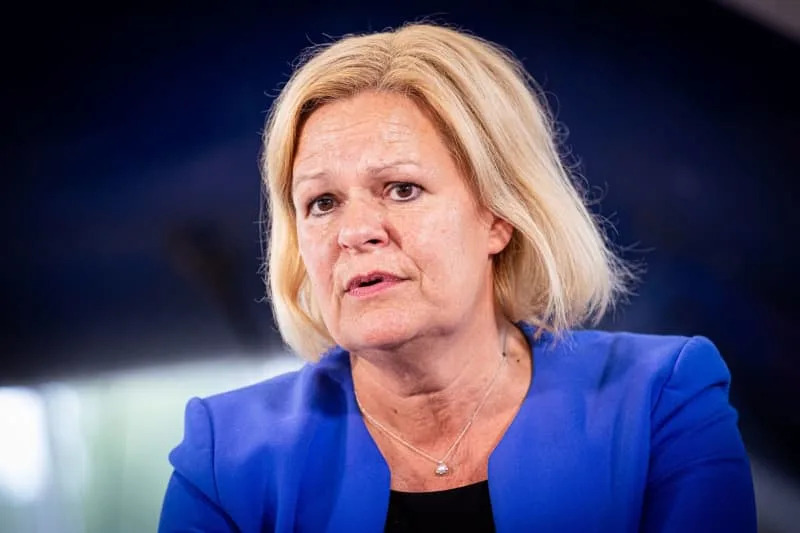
[{"x": 362, "y": 130}]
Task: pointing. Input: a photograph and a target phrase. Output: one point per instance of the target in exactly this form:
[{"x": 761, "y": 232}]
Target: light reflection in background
[
  {"x": 24, "y": 458},
  {"x": 90, "y": 455}
]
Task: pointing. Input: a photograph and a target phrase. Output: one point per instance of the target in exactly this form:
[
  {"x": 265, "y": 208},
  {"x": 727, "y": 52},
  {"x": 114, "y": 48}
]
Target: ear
[{"x": 500, "y": 232}]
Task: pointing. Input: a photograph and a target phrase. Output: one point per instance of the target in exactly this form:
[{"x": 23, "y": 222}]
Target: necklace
[{"x": 442, "y": 468}]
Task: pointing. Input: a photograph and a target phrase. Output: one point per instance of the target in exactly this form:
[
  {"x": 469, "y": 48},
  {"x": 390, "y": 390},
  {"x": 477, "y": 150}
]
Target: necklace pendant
[{"x": 442, "y": 469}]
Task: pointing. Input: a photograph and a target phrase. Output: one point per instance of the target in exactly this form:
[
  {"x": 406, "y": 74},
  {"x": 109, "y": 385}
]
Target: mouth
[{"x": 366, "y": 284}]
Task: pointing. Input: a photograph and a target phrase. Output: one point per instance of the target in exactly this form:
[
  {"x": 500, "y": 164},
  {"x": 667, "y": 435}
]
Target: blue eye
[{"x": 404, "y": 192}]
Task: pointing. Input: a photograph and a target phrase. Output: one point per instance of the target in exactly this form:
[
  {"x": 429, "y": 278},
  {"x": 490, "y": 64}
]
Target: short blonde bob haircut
[{"x": 557, "y": 272}]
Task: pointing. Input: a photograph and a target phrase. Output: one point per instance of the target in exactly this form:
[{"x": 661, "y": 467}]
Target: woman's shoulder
[
  {"x": 621, "y": 360},
  {"x": 237, "y": 444},
  {"x": 287, "y": 395},
  {"x": 640, "y": 352},
  {"x": 273, "y": 413}
]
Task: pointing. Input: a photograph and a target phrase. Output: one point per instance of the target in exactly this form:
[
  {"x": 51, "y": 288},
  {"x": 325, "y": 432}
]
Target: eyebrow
[{"x": 371, "y": 171}]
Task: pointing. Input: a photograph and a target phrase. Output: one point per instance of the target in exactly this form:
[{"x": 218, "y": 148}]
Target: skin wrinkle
[{"x": 424, "y": 350}]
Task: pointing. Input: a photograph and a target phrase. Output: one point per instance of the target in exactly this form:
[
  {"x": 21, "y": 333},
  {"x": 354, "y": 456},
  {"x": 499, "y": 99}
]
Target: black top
[{"x": 463, "y": 509}]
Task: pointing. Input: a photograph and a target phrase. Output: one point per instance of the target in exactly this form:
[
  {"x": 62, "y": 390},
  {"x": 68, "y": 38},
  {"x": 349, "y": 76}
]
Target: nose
[{"x": 362, "y": 226}]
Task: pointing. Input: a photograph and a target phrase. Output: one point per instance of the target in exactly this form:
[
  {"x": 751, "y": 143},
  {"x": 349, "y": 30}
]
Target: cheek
[
  {"x": 316, "y": 255},
  {"x": 446, "y": 244}
]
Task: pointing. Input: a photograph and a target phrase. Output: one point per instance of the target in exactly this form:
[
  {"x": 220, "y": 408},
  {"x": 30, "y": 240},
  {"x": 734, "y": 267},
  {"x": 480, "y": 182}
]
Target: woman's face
[{"x": 390, "y": 236}]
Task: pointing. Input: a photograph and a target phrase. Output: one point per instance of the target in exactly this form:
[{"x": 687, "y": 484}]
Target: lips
[{"x": 371, "y": 279}]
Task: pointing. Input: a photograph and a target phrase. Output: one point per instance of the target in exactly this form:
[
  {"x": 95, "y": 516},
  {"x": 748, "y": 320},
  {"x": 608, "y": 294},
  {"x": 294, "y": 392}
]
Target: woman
[{"x": 426, "y": 237}]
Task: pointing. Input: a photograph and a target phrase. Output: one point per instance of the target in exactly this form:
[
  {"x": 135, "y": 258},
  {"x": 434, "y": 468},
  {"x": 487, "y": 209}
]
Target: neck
[{"x": 428, "y": 388}]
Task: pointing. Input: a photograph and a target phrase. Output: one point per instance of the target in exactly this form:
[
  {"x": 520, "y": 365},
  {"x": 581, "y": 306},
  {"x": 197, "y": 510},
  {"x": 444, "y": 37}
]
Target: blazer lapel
[{"x": 363, "y": 492}]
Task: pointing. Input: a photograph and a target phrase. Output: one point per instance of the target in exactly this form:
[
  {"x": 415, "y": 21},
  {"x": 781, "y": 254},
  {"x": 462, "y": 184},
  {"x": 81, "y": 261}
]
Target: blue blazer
[{"x": 618, "y": 432}]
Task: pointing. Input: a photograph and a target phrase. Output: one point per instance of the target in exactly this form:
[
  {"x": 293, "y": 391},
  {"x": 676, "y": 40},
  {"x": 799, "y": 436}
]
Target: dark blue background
[{"x": 131, "y": 194}]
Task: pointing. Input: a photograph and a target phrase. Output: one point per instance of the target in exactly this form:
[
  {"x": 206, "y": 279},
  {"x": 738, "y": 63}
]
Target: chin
[{"x": 384, "y": 329}]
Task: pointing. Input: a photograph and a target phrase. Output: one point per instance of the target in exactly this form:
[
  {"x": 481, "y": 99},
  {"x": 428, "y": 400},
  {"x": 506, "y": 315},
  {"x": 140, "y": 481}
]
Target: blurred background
[{"x": 131, "y": 202}]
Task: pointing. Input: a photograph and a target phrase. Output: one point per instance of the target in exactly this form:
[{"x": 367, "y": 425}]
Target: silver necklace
[{"x": 442, "y": 468}]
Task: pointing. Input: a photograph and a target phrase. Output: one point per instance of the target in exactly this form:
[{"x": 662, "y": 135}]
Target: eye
[
  {"x": 404, "y": 192},
  {"x": 321, "y": 205}
]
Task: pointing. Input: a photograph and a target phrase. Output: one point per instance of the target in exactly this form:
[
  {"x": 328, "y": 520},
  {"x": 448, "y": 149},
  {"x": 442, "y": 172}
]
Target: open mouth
[
  {"x": 373, "y": 281},
  {"x": 360, "y": 284}
]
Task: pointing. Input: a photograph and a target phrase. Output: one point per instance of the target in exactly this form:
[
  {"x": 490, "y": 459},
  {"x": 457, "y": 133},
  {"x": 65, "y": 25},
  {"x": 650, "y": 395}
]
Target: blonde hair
[{"x": 557, "y": 272}]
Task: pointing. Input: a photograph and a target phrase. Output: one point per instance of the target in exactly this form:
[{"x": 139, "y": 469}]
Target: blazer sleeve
[
  {"x": 699, "y": 476},
  {"x": 191, "y": 503}
]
